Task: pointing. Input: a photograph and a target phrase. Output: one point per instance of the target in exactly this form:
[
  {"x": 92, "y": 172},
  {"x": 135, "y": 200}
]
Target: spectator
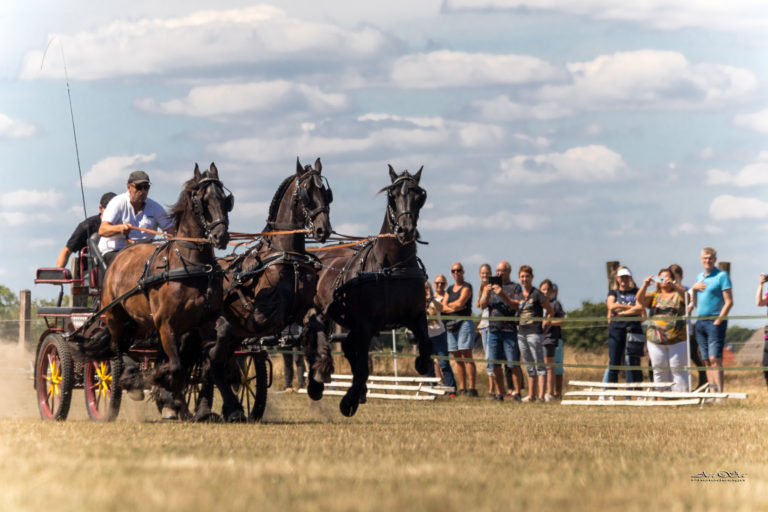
[
  {"x": 499, "y": 298},
  {"x": 288, "y": 342},
  {"x": 713, "y": 298},
  {"x": 482, "y": 327},
  {"x": 461, "y": 332},
  {"x": 437, "y": 334},
  {"x": 624, "y": 335},
  {"x": 666, "y": 338},
  {"x": 762, "y": 300},
  {"x": 82, "y": 232},
  {"x": 553, "y": 343},
  {"x": 127, "y": 211},
  {"x": 693, "y": 347},
  {"x": 532, "y": 304}
]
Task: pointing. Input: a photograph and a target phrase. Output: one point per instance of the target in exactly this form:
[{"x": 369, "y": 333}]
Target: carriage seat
[{"x": 96, "y": 263}]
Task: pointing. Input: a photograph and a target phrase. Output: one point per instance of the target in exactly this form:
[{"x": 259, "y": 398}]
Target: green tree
[
  {"x": 737, "y": 336},
  {"x": 588, "y": 335}
]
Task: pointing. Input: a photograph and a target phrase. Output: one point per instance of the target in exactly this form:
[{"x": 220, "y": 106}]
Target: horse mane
[
  {"x": 275, "y": 204},
  {"x": 183, "y": 204}
]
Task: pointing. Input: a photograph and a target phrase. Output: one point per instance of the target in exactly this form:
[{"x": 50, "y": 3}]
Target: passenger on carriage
[
  {"x": 127, "y": 211},
  {"x": 82, "y": 232}
]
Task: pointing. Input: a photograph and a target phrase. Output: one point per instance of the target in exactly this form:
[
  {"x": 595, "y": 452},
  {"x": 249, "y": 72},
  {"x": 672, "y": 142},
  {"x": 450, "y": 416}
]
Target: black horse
[
  {"x": 272, "y": 284},
  {"x": 377, "y": 285}
]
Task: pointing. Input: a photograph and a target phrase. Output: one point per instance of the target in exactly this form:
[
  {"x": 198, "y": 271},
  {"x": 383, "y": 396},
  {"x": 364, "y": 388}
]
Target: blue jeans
[
  {"x": 710, "y": 338},
  {"x": 559, "y": 357},
  {"x": 498, "y": 341},
  {"x": 484, "y": 337},
  {"x": 464, "y": 338},
  {"x": 440, "y": 348},
  {"x": 617, "y": 344}
]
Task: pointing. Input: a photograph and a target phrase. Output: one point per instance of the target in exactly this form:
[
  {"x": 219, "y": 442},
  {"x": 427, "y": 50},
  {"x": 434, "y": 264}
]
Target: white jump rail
[
  {"x": 396, "y": 388},
  {"x": 615, "y": 394}
]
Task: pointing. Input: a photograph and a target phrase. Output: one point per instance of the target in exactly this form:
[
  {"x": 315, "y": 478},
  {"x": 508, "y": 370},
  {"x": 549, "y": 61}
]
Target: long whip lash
[{"x": 71, "y": 116}]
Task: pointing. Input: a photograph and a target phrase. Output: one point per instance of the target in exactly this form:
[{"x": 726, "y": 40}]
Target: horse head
[
  {"x": 211, "y": 202},
  {"x": 312, "y": 196},
  {"x": 405, "y": 198}
]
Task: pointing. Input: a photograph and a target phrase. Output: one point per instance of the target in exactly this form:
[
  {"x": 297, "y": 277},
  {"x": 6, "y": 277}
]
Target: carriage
[{"x": 60, "y": 367}]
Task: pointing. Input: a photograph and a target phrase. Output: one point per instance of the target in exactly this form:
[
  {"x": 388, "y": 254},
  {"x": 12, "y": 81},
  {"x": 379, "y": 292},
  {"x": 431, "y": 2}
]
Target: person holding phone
[
  {"x": 461, "y": 333},
  {"x": 499, "y": 296}
]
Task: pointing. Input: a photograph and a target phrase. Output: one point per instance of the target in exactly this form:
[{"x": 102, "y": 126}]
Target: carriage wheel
[
  {"x": 103, "y": 392},
  {"x": 252, "y": 385},
  {"x": 54, "y": 378},
  {"x": 198, "y": 390}
]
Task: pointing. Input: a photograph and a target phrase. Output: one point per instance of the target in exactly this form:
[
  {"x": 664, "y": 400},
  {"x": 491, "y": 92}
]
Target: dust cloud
[{"x": 17, "y": 394}]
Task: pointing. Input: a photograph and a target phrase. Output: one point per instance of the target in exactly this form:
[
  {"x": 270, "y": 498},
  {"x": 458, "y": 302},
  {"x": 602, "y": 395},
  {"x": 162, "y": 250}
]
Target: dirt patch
[{"x": 17, "y": 398}]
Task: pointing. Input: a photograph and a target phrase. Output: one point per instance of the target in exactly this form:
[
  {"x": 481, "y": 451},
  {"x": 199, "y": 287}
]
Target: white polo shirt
[{"x": 120, "y": 211}]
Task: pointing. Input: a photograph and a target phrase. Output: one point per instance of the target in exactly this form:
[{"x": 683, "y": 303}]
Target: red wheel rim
[{"x": 49, "y": 386}]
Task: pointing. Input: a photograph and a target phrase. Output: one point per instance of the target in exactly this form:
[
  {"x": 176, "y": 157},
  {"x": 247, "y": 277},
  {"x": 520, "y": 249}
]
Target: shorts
[
  {"x": 464, "y": 338},
  {"x": 497, "y": 341},
  {"x": 711, "y": 338}
]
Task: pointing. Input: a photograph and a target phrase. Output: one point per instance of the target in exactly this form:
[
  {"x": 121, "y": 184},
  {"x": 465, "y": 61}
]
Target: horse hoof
[
  {"x": 423, "y": 364},
  {"x": 347, "y": 409},
  {"x": 315, "y": 390},
  {"x": 169, "y": 414},
  {"x": 237, "y": 416}
]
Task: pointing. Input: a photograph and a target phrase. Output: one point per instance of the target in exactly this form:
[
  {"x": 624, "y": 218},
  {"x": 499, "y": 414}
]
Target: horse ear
[
  {"x": 392, "y": 173},
  {"x": 318, "y": 165},
  {"x": 214, "y": 171},
  {"x": 299, "y": 169},
  {"x": 198, "y": 176},
  {"x": 417, "y": 176}
]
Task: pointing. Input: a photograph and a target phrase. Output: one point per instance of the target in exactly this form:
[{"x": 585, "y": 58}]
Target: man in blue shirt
[{"x": 714, "y": 298}]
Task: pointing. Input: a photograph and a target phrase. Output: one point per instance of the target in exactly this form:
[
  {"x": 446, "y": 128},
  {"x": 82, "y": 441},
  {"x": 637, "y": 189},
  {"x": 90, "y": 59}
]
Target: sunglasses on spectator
[
  {"x": 142, "y": 186},
  {"x": 440, "y": 282},
  {"x": 457, "y": 270}
]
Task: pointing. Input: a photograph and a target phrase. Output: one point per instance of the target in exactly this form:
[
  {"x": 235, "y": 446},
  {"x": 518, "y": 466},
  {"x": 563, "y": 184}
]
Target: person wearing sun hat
[{"x": 128, "y": 210}]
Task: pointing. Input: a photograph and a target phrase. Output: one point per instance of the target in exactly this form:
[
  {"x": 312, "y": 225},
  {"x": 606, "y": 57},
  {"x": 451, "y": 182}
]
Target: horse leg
[
  {"x": 170, "y": 376},
  {"x": 222, "y": 364},
  {"x": 356, "y": 351},
  {"x": 424, "y": 361},
  {"x": 317, "y": 351}
]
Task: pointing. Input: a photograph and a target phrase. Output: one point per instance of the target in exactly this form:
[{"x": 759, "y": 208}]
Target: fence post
[
  {"x": 725, "y": 266},
  {"x": 610, "y": 271},
  {"x": 25, "y": 317}
]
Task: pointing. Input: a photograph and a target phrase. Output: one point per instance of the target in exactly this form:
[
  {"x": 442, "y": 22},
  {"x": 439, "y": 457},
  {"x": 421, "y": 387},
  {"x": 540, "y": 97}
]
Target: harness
[{"x": 301, "y": 196}]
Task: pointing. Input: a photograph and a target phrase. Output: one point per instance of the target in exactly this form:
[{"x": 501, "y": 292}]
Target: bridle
[
  {"x": 197, "y": 206},
  {"x": 302, "y": 198},
  {"x": 405, "y": 184}
]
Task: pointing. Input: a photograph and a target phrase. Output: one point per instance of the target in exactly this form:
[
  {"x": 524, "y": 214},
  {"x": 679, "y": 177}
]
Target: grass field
[{"x": 461, "y": 454}]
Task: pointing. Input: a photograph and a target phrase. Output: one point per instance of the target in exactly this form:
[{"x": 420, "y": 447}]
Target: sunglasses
[
  {"x": 440, "y": 282},
  {"x": 143, "y": 186},
  {"x": 457, "y": 270}
]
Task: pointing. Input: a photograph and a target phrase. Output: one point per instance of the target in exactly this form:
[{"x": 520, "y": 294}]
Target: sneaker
[
  {"x": 472, "y": 392},
  {"x": 499, "y": 398},
  {"x": 516, "y": 397},
  {"x": 529, "y": 399},
  {"x": 548, "y": 398}
]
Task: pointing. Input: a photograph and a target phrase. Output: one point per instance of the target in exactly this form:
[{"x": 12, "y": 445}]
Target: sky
[{"x": 553, "y": 133}]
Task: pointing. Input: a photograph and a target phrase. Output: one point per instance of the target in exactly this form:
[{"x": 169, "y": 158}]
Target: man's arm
[
  {"x": 109, "y": 229},
  {"x": 61, "y": 261},
  {"x": 728, "y": 298}
]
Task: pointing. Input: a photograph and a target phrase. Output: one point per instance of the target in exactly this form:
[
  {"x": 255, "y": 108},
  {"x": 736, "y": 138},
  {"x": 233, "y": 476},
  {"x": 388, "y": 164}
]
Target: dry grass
[{"x": 461, "y": 454}]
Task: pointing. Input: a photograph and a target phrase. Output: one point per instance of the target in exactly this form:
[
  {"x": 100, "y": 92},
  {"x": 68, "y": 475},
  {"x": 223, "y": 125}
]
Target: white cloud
[
  {"x": 15, "y": 128},
  {"x": 21, "y": 218},
  {"x": 352, "y": 229},
  {"x": 114, "y": 169},
  {"x": 30, "y": 199},
  {"x": 502, "y": 108},
  {"x": 201, "y": 39},
  {"x": 251, "y": 210},
  {"x": 41, "y": 243},
  {"x": 648, "y": 79},
  {"x": 445, "y": 68},
  {"x": 688, "y": 228},
  {"x": 728, "y": 207},
  {"x": 706, "y": 153},
  {"x": 593, "y": 163},
  {"x": 757, "y": 121},
  {"x": 461, "y": 188},
  {"x": 502, "y": 220},
  {"x": 207, "y": 101},
  {"x": 421, "y": 122},
  {"x": 755, "y": 173},
  {"x": 734, "y": 15}
]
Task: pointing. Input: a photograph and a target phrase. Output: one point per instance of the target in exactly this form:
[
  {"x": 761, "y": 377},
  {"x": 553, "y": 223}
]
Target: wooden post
[
  {"x": 25, "y": 317},
  {"x": 610, "y": 271},
  {"x": 725, "y": 266}
]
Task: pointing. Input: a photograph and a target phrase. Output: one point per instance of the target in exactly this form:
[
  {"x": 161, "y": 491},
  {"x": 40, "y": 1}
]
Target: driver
[{"x": 128, "y": 210}]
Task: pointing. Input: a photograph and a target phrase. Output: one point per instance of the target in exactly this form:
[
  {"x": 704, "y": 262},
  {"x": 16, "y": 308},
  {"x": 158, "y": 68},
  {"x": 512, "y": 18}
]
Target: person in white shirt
[{"x": 127, "y": 211}]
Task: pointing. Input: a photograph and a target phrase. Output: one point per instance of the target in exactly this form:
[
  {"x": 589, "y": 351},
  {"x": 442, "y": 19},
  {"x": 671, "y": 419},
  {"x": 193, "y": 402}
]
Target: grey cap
[
  {"x": 106, "y": 198},
  {"x": 138, "y": 177}
]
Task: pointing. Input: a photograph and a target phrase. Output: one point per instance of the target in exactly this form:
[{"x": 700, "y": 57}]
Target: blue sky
[{"x": 552, "y": 133}]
